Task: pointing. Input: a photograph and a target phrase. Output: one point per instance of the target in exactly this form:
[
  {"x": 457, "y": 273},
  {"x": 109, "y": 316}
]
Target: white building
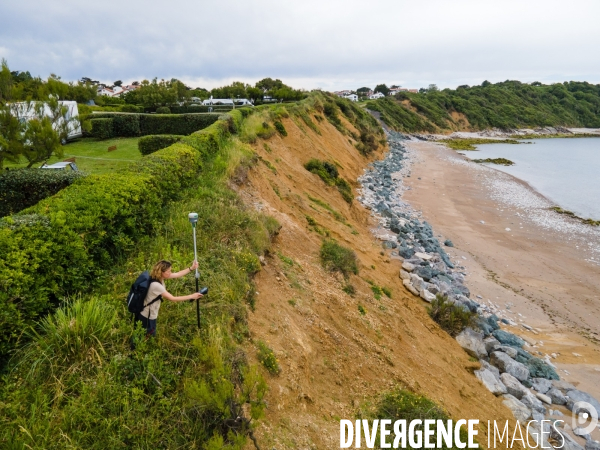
[
  {"x": 376, "y": 95},
  {"x": 351, "y": 97},
  {"x": 394, "y": 91},
  {"x": 227, "y": 101}
]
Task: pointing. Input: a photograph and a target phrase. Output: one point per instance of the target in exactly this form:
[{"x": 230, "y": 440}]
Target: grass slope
[
  {"x": 77, "y": 384},
  {"x": 92, "y": 155}
]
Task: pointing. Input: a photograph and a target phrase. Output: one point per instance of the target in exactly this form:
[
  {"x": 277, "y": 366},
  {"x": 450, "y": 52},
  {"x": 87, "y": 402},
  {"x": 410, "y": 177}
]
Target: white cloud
[{"x": 309, "y": 43}]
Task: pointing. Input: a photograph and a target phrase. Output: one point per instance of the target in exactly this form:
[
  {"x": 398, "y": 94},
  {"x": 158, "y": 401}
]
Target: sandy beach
[{"x": 541, "y": 269}]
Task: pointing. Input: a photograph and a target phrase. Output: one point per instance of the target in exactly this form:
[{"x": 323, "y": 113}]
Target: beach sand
[{"x": 541, "y": 269}]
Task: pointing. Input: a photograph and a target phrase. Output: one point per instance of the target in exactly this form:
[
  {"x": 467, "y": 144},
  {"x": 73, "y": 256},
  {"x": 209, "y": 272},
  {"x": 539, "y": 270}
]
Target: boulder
[
  {"x": 513, "y": 387},
  {"x": 580, "y": 396},
  {"x": 535, "y": 433},
  {"x": 539, "y": 369},
  {"x": 533, "y": 403},
  {"x": 507, "y": 338},
  {"x": 408, "y": 266},
  {"x": 592, "y": 445},
  {"x": 506, "y": 364},
  {"x": 426, "y": 295},
  {"x": 510, "y": 351},
  {"x": 444, "y": 287},
  {"x": 544, "y": 398},
  {"x": 542, "y": 385},
  {"x": 557, "y": 397},
  {"x": 564, "y": 438},
  {"x": 406, "y": 252},
  {"x": 418, "y": 282},
  {"x": 582, "y": 433},
  {"x": 563, "y": 386},
  {"x": 472, "y": 342},
  {"x": 448, "y": 243},
  {"x": 492, "y": 384},
  {"x": 424, "y": 272},
  {"x": 490, "y": 343},
  {"x": 404, "y": 275},
  {"x": 410, "y": 287},
  {"x": 488, "y": 366},
  {"x": 423, "y": 256},
  {"x": 521, "y": 412}
]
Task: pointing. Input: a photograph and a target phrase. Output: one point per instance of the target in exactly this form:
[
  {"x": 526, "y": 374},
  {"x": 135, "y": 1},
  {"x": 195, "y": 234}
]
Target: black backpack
[{"x": 138, "y": 292}]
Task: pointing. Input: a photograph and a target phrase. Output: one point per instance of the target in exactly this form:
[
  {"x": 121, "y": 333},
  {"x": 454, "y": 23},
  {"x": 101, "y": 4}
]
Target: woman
[{"x": 157, "y": 291}]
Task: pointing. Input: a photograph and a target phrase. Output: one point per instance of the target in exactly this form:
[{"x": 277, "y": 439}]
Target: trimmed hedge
[
  {"x": 152, "y": 143},
  {"x": 22, "y": 188},
  {"x": 125, "y": 124},
  {"x": 131, "y": 108},
  {"x": 191, "y": 109},
  {"x": 67, "y": 243},
  {"x": 163, "y": 110},
  {"x": 102, "y": 128}
]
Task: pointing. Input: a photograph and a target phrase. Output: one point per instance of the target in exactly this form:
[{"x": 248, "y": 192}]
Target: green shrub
[
  {"x": 387, "y": 292},
  {"x": 267, "y": 358},
  {"x": 450, "y": 317},
  {"x": 152, "y": 143},
  {"x": 131, "y": 108},
  {"x": 362, "y": 310},
  {"x": 181, "y": 124},
  {"x": 349, "y": 289},
  {"x": 163, "y": 110},
  {"x": 335, "y": 257},
  {"x": 22, "y": 188},
  {"x": 405, "y": 405},
  {"x": 376, "y": 291},
  {"x": 328, "y": 172},
  {"x": 102, "y": 128},
  {"x": 280, "y": 128}
]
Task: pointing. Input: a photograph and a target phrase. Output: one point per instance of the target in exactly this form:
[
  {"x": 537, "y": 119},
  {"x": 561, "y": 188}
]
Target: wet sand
[{"x": 539, "y": 276}]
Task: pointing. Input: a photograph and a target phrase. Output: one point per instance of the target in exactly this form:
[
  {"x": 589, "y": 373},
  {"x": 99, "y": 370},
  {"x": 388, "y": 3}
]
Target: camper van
[{"x": 27, "y": 111}]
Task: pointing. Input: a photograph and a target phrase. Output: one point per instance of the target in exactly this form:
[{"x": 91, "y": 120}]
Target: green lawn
[{"x": 92, "y": 155}]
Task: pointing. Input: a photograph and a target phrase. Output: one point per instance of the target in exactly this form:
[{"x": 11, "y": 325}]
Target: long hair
[{"x": 159, "y": 268}]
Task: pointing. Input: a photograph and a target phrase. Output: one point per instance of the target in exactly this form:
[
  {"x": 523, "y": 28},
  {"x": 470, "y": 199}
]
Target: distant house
[
  {"x": 376, "y": 95},
  {"x": 414, "y": 91},
  {"x": 105, "y": 91},
  {"x": 394, "y": 91},
  {"x": 227, "y": 101},
  {"x": 352, "y": 97},
  {"x": 115, "y": 91},
  {"x": 343, "y": 93}
]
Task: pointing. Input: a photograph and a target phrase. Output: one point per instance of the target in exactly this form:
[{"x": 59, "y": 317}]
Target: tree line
[{"x": 506, "y": 105}]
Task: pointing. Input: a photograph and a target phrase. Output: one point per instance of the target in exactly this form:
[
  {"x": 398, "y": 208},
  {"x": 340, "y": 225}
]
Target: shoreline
[{"x": 533, "y": 271}]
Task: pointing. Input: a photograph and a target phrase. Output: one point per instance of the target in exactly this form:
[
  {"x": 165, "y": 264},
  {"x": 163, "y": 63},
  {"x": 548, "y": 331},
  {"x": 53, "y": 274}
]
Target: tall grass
[{"x": 79, "y": 332}]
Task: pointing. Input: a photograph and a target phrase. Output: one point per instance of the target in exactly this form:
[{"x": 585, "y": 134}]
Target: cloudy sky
[{"x": 329, "y": 44}]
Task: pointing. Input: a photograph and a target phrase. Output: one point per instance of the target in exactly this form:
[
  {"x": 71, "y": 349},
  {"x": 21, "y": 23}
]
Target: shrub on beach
[{"x": 450, "y": 317}]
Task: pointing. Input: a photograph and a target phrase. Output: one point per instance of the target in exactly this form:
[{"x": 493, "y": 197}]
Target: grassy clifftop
[{"x": 506, "y": 105}]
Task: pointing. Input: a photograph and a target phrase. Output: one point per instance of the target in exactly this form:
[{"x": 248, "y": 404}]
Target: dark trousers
[{"x": 148, "y": 324}]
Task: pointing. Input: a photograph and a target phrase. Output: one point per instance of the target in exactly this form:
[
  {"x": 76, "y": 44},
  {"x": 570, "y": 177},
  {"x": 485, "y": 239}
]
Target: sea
[{"x": 564, "y": 170}]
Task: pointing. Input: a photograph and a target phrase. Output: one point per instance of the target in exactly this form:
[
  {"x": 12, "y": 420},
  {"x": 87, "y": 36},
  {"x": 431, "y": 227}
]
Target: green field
[{"x": 92, "y": 155}]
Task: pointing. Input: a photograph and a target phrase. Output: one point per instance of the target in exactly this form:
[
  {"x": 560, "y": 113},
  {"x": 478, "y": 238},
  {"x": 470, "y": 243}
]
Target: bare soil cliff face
[{"x": 334, "y": 358}]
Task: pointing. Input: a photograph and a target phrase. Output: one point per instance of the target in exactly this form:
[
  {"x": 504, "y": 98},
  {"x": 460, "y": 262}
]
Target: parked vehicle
[
  {"x": 30, "y": 110},
  {"x": 63, "y": 165}
]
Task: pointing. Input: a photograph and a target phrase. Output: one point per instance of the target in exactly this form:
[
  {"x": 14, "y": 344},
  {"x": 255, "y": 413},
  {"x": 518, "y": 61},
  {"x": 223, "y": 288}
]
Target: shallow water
[{"x": 566, "y": 171}]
